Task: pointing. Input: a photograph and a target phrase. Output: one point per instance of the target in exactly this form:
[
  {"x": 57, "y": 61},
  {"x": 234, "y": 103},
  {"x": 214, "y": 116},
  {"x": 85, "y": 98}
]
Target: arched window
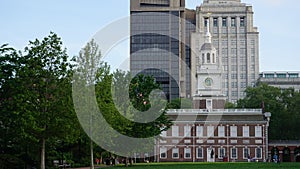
[
  {"x": 208, "y": 58},
  {"x": 214, "y": 58},
  {"x": 203, "y": 58}
]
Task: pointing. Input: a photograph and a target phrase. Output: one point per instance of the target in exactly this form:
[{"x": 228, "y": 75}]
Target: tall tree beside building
[{"x": 283, "y": 106}]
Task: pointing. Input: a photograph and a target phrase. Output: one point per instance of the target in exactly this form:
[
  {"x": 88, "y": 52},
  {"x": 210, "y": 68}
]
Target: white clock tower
[{"x": 209, "y": 94}]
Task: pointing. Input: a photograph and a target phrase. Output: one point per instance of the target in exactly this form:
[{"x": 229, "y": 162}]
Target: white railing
[{"x": 204, "y": 111}]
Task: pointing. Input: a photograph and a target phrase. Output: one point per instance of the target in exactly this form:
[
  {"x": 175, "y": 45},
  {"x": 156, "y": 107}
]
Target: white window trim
[
  {"x": 221, "y": 134},
  {"x": 244, "y": 152},
  {"x": 260, "y": 152},
  {"x": 197, "y": 150},
  {"x": 175, "y": 134},
  {"x": 246, "y": 134},
  {"x": 199, "y": 131},
  {"x": 187, "y": 131},
  {"x": 232, "y": 153},
  {"x": 219, "y": 153},
  {"x": 177, "y": 153},
  {"x": 163, "y": 150},
  {"x": 209, "y": 132},
  {"x": 258, "y": 131},
  {"x": 185, "y": 152},
  {"x": 231, "y": 131}
]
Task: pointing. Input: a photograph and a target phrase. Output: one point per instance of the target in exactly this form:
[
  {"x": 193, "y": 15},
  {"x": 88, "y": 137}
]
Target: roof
[
  {"x": 284, "y": 142},
  {"x": 247, "y": 116},
  {"x": 207, "y": 46}
]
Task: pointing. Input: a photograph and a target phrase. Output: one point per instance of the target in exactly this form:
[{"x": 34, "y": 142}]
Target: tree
[
  {"x": 90, "y": 70},
  {"x": 42, "y": 100},
  {"x": 283, "y": 104}
]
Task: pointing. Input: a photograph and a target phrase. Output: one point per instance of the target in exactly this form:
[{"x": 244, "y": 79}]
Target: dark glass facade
[{"x": 154, "y": 48}]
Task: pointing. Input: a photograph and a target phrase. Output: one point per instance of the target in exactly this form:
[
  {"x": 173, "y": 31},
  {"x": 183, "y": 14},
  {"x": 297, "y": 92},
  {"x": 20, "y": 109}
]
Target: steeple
[{"x": 207, "y": 35}]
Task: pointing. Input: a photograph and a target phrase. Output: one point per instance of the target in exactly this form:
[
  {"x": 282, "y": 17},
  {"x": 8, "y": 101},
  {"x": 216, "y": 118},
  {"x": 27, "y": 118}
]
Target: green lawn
[{"x": 214, "y": 166}]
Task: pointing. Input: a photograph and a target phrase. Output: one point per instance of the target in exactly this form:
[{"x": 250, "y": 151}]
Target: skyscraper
[
  {"x": 159, "y": 34},
  {"x": 166, "y": 41},
  {"x": 236, "y": 41}
]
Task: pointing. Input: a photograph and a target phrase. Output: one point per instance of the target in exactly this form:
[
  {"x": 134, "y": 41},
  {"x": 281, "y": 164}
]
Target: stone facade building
[{"x": 281, "y": 79}]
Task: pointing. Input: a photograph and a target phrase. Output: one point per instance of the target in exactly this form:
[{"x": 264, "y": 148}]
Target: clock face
[{"x": 208, "y": 82}]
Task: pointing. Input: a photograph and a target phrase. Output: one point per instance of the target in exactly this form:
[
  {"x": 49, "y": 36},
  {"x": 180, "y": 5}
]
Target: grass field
[{"x": 215, "y": 166}]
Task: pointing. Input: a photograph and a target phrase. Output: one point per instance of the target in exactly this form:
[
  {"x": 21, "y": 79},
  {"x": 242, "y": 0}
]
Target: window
[
  {"x": 215, "y": 22},
  {"x": 199, "y": 132},
  {"x": 210, "y": 131},
  {"x": 187, "y": 131},
  {"x": 258, "y": 131},
  {"x": 205, "y": 22},
  {"x": 233, "y": 22},
  {"x": 175, "y": 132},
  {"x": 242, "y": 22},
  {"x": 175, "y": 153},
  {"x": 221, "y": 152},
  {"x": 234, "y": 153},
  {"x": 258, "y": 153},
  {"x": 245, "y": 131},
  {"x": 187, "y": 152},
  {"x": 203, "y": 58},
  {"x": 246, "y": 153},
  {"x": 233, "y": 131},
  {"x": 214, "y": 58},
  {"x": 163, "y": 152},
  {"x": 295, "y": 75},
  {"x": 208, "y": 58},
  {"x": 224, "y": 22},
  {"x": 221, "y": 131},
  {"x": 199, "y": 152},
  {"x": 281, "y": 75}
]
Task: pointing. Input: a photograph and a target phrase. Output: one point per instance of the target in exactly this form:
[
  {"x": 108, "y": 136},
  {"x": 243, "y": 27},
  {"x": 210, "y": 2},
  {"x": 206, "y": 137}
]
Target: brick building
[{"x": 218, "y": 135}]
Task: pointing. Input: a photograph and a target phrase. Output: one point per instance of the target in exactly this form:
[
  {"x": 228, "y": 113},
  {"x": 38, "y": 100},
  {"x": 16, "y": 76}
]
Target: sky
[{"x": 78, "y": 21}]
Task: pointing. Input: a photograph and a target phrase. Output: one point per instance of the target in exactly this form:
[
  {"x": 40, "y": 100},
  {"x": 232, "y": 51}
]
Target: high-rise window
[
  {"x": 242, "y": 22},
  {"x": 205, "y": 22},
  {"x": 224, "y": 22},
  {"x": 215, "y": 22},
  {"x": 233, "y": 22}
]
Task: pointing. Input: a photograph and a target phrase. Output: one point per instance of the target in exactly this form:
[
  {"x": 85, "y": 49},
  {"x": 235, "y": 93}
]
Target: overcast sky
[{"x": 78, "y": 21}]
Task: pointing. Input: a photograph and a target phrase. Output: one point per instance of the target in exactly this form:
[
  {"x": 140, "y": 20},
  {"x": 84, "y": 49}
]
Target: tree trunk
[
  {"x": 126, "y": 162},
  {"x": 43, "y": 153},
  {"x": 92, "y": 154}
]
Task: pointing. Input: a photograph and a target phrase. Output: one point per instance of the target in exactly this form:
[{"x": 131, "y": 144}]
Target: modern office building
[
  {"x": 159, "y": 44},
  {"x": 166, "y": 38},
  {"x": 281, "y": 79},
  {"x": 236, "y": 41}
]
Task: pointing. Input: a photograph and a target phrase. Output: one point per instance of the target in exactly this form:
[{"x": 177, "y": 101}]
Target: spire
[{"x": 208, "y": 35}]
